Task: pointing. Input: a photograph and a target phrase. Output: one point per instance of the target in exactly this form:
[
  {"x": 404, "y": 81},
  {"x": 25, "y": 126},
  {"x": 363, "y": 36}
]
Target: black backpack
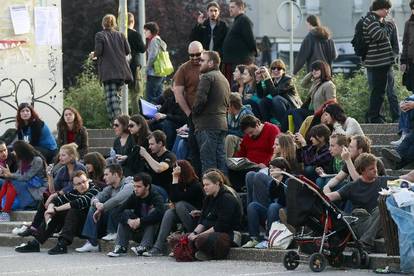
[{"x": 358, "y": 41}]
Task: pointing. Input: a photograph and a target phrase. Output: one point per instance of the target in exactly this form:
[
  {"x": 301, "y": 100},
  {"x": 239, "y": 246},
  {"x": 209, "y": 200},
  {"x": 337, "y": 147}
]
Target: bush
[
  {"x": 88, "y": 97},
  {"x": 353, "y": 93}
]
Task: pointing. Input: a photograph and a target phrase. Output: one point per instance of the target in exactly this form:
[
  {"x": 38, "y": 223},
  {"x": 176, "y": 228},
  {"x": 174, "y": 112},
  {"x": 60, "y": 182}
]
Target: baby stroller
[{"x": 325, "y": 230}]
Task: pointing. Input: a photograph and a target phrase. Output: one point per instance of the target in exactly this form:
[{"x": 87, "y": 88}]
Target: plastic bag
[
  {"x": 404, "y": 219},
  {"x": 279, "y": 236}
]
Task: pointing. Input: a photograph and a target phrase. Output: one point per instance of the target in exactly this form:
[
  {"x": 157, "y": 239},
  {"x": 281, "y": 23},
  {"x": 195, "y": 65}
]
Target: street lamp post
[{"x": 123, "y": 28}]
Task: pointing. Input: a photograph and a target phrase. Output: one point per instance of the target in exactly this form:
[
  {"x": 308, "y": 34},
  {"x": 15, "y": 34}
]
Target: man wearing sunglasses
[
  {"x": 185, "y": 88},
  {"x": 210, "y": 31}
]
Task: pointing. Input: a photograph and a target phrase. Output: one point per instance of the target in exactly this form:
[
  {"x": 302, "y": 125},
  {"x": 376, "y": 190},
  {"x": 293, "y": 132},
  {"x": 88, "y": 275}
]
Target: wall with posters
[{"x": 30, "y": 59}]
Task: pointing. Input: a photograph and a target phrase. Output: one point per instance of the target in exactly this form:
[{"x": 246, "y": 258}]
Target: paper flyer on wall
[
  {"x": 20, "y": 19},
  {"x": 47, "y": 26}
]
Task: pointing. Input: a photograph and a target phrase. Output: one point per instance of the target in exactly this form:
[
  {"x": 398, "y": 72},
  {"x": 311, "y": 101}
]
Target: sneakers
[
  {"x": 118, "y": 251},
  {"x": 60, "y": 248},
  {"x": 18, "y": 230},
  {"x": 392, "y": 157},
  {"x": 87, "y": 247},
  {"x": 399, "y": 141},
  {"x": 4, "y": 217},
  {"x": 262, "y": 245},
  {"x": 200, "y": 256},
  {"x": 31, "y": 246},
  {"x": 250, "y": 244},
  {"x": 28, "y": 232},
  {"x": 109, "y": 237},
  {"x": 153, "y": 252},
  {"x": 139, "y": 250}
]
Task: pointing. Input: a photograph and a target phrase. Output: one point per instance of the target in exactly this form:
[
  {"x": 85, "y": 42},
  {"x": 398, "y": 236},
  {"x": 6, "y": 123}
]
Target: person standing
[
  {"x": 111, "y": 49},
  {"x": 209, "y": 112},
  {"x": 210, "y": 31},
  {"x": 155, "y": 44},
  {"x": 185, "y": 88},
  {"x": 239, "y": 46},
  {"x": 317, "y": 45},
  {"x": 137, "y": 46},
  {"x": 380, "y": 56}
]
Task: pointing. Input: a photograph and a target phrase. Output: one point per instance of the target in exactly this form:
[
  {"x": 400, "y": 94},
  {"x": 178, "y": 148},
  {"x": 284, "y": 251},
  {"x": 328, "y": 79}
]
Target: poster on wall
[{"x": 30, "y": 72}]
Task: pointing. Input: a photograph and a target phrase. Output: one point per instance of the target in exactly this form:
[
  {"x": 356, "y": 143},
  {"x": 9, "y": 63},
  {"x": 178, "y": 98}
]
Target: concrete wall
[{"x": 29, "y": 72}]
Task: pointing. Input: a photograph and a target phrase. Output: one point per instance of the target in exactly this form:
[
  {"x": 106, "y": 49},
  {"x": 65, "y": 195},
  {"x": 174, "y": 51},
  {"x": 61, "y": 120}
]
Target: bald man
[{"x": 185, "y": 88}]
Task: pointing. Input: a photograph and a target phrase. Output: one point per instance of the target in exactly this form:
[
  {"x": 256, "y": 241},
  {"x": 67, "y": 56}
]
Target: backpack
[{"x": 358, "y": 41}]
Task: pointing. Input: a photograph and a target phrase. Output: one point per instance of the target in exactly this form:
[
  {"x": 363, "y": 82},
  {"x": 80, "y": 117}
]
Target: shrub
[{"x": 88, "y": 97}]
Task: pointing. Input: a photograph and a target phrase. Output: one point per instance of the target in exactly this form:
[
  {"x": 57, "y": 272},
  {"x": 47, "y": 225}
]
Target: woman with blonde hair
[
  {"x": 285, "y": 147},
  {"x": 111, "y": 50}
]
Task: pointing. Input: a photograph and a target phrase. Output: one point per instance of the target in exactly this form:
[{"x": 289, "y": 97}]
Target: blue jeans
[
  {"x": 180, "y": 148},
  {"x": 257, "y": 214},
  {"x": 277, "y": 108},
  {"x": 406, "y": 149},
  {"x": 153, "y": 88},
  {"x": 406, "y": 118},
  {"x": 257, "y": 185},
  {"x": 211, "y": 146},
  {"x": 23, "y": 194},
  {"x": 169, "y": 128},
  {"x": 91, "y": 229}
]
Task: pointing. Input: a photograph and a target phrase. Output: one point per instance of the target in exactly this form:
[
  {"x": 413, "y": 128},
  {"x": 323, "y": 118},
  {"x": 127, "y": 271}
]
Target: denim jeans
[
  {"x": 406, "y": 149},
  {"x": 23, "y": 194},
  {"x": 169, "y": 128},
  {"x": 153, "y": 88},
  {"x": 257, "y": 185},
  {"x": 277, "y": 108},
  {"x": 180, "y": 148},
  {"x": 211, "y": 145},
  {"x": 91, "y": 229},
  {"x": 406, "y": 118},
  {"x": 257, "y": 214}
]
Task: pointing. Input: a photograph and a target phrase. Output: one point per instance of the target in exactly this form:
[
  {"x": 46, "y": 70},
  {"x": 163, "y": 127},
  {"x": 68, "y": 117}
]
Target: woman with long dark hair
[
  {"x": 34, "y": 131},
  {"x": 71, "y": 130},
  {"x": 29, "y": 181},
  {"x": 333, "y": 115},
  {"x": 186, "y": 195},
  {"x": 95, "y": 165},
  {"x": 123, "y": 143}
]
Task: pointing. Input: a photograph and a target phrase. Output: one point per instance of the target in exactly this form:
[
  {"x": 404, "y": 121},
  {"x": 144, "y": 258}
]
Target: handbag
[
  {"x": 184, "y": 250},
  {"x": 162, "y": 63},
  {"x": 279, "y": 236},
  {"x": 240, "y": 164}
]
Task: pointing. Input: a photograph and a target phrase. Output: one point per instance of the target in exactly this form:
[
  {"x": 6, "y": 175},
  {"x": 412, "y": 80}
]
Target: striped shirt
[
  {"x": 377, "y": 35},
  {"x": 76, "y": 199}
]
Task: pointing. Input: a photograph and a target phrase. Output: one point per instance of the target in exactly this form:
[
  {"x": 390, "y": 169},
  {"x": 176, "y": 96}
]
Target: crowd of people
[{"x": 225, "y": 126}]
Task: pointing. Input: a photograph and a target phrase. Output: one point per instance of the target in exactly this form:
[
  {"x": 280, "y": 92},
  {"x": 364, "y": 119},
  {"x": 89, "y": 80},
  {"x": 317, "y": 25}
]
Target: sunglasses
[
  {"x": 276, "y": 68},
  {"x": 195, "y": 55}
]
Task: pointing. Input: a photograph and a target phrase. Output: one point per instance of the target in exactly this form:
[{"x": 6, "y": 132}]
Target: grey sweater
[{"x": 112, "y": 197}]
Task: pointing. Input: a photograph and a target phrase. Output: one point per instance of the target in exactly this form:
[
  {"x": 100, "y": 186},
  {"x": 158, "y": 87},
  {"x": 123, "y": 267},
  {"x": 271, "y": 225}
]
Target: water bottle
[{"x": 112, "y": 153}]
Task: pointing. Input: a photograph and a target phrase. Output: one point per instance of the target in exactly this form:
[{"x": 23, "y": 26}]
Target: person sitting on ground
[
  {"x": 337, "y": 143},
  {"x": 95, "y": 165},
  {"x": 186, "y": 195},
  {"x": 363, "y": 194},
  {"x": 317, "y": 153},
  {"x": 236, "y": 113},
  {"x": 123, "y": 143},
  {"x": 220, "y": 216},
  {"x": 31, "y": 129},
  {"x": 58, "y": 184},
  {"x": 238, "y": 84},
  {"x": 248, "y": 94},
  {"x": 265, "y": 197},
  {"x": 103, "y": 211},
  {"x": 256, "y": 146},
  {"x": 334, "y": 115},
  {"x": 159, "y": 164},
  {"x": 71, "y": 130},
  {"x": 277, "y": 92},
  {"x": 406, "y": 118},
  {"x": 27, "y": 183},
  {"x": 140, "y": 216},
  {"x": 7, "y": 161},
  {"x": 168, "y": 118},
  {"x": 285, "y": 147},
  {"x": 67, "y": 214},
  {"x": 321, "y": 90}
]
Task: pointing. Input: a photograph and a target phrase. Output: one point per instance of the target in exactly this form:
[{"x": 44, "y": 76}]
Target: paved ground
[{"x": 12, "y": 263}]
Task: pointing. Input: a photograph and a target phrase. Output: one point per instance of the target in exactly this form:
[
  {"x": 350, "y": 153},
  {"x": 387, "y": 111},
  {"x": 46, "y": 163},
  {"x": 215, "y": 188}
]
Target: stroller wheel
[
  {"x": 291, "y": 260},
  {"x": 364, "y": 259},
  {"x": 356, "y": 258},
  {"x": 336, "y": 261},
  {"x": 317, "y": 262}
]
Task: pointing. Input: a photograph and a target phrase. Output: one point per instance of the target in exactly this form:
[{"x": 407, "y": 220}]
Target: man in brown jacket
[{"x": 209, "y": 112}]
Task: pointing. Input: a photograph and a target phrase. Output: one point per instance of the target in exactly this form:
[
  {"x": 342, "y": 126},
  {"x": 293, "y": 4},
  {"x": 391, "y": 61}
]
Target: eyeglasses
[
  {"x": 276, "y": 68},
  {"x": 131, "y": 125},
  {"x": 195, "y": 55},
  {"x": 115, "y": 125}
]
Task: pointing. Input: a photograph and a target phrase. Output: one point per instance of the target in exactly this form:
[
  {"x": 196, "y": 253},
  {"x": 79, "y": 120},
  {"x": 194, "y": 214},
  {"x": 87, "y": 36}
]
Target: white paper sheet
[
  {"x": 20, "y": 19},
  {"x": 47, "y": 26}
]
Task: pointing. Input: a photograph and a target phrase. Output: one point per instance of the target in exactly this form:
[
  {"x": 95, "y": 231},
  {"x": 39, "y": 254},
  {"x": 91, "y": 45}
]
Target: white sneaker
[
  {"x": 18, "y": 230},
  {"x": 109, "y": 237},
  {"x": 399, "y": 141},
  {"x": 87, "y": 247}
]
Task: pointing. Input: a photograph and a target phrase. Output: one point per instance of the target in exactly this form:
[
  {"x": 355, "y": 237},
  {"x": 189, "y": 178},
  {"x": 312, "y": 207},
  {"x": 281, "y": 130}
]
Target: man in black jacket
[
  {"x": 67, "y": 212},
  {"x": 139, "y": 217},
  {"x": 211, "y": 31},
  {"x": 239, "y": 46}
]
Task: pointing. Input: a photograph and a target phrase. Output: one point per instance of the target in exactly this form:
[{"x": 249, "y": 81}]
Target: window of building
[
  {"x": 358, "y": 6},
  {"x": 310, "y": 6},
  {"x": 397, "y": 5}
]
